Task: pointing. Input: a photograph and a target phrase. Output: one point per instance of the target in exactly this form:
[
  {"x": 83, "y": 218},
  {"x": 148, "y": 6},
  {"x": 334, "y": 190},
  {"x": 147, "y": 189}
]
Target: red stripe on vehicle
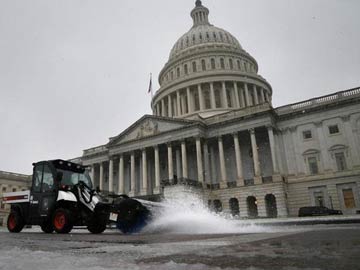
[{"x": 15, "y": 198}]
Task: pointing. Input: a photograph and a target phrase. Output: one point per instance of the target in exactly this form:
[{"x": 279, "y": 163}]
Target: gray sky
[{"x": 75, "y": 72}]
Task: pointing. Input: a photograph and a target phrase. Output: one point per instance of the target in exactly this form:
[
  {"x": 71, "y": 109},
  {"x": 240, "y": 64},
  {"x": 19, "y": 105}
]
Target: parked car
[{"x": 309, "y": 211}]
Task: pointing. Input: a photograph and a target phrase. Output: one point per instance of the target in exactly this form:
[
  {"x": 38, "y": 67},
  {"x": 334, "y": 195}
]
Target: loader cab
[
  {"x": 43, "y": 191},
  {"x": 48, "y": 178}
]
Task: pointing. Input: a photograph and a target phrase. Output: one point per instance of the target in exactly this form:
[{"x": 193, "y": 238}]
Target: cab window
[
  {"x": 48, "y": 179},
  {"x": 37, "y": 178}
]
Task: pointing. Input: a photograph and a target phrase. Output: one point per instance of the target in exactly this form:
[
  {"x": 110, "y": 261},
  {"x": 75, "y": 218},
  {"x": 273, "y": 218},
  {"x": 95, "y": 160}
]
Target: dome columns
[{"x": 211, "y": 96}]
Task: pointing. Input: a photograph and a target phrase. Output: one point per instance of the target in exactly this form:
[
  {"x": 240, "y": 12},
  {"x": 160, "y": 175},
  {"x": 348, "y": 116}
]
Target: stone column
[
  {"x": 207, "y": 175},
  {"x": 178, "y": 163},
  {"x": 255, "y": 152},
  {"x": 184, "y": 159},
  {"x": 163, "y": 113},
  {"x": 92, "y": 174},
  {"x": 157, "y": 170},
  {"x": 350, "y": 134},
  {"x": 247, "y": 96},
  {"x": 212, "y": 96},
  {"x": 101, "y": 180},
  {"x": 200, "y": 170},
  {"x": 239, "y": 168},
  {"x": 111, "y": 175},
  {"x": 225, "y": 101},
  {"x": 237, "y": 100},
  {"x": 178, "y": 103},
  {"x": 132, "y": 174},
  {"x": 170, "y": 106},
  {"x": 170, "y": 163},
  {"x": 201, "y": 98},
  {"x": 262, "y": 91},
  {"x": 223, "y": 178},
  {"x": 273, "y": 150},
  {"x": 242, "y": 97},
  {"x": 323, "y": 147},
  {"x": 189, "y": 100},
  {"x": 256, "y": 95},
  {"x": 144, "y": 190},
  {"x": 121, "y": 187}
]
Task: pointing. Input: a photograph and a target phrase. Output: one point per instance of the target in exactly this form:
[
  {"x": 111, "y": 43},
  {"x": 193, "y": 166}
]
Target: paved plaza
[{"x": 291, "y": 247}]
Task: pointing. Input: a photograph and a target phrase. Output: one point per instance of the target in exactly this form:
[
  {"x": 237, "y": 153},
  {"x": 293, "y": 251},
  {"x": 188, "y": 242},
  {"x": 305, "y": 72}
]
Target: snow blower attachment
[{"x": 62, "y": 196}]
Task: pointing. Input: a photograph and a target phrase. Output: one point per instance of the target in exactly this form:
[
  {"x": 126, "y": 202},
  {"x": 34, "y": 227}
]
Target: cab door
[{"x": 43, "y": 193}]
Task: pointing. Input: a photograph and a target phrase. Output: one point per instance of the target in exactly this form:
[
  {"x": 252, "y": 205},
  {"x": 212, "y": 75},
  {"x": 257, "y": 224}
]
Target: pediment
[{"x": 148, "y": 126}]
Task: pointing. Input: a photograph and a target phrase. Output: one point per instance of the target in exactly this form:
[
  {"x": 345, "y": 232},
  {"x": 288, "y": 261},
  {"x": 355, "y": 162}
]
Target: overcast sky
[{"x": 75, "y": 72}]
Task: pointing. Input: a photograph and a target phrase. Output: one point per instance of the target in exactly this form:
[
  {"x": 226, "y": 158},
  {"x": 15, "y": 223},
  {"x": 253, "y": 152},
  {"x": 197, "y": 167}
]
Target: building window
[
  {"x": 307, "y": 134},
  {"x": 194, "y": 66},
  {"x": 213, "y": 63},
  {"x": 14, "y": 190},
  {"x": 231, "y": 64},
  {"x": 334, "y": 129},
  {"x": 172, "y": 75},
  {"x": 178, "y": 72},
  {"x": 340, "y": 161},
  {"x": 238, "y": 64},
  {"x": 186, "y": 69},
  {"x": 349, "y": 199},
  {"x": 319, "y": 198},
  {"x": 222, "y": 63},
  {"x": 4, "y": 189},
  {"x": 313, "y": 165},
  {"x": 203, "y": 65}
]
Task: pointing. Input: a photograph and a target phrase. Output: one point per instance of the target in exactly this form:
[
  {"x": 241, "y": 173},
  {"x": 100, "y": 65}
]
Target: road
[{"x": 298, "y": 247}]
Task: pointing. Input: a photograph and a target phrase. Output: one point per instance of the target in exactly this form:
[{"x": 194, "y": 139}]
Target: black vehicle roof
[{"x": 64, "y": 165}]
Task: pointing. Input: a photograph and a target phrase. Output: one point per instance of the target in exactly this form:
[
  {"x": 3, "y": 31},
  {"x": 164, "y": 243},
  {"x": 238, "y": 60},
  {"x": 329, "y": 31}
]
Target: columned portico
[{"x": 273, "y": 149}]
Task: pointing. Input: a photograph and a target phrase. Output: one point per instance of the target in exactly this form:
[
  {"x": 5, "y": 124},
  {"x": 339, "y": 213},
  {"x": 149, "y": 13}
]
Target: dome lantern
[{"x": 200, "y": 14}]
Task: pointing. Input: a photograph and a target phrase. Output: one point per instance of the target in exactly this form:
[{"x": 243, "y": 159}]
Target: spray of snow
[{"x": 186, "y": 213}]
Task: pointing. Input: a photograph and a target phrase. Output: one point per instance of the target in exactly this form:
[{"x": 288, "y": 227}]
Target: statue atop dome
[{"x": 198, "y": 3}]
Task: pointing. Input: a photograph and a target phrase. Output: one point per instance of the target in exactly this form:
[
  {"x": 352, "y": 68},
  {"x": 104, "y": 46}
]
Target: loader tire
[
  {"x": 47, "y": 227},
  {"x": 15, "y": 222},
  {"x": 96, "y": 227},
  {"x": 62, "y": 221}
]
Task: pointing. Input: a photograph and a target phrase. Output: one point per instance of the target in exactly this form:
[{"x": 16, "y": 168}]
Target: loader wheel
[
  {"x": 62, "y": 221},
  {"x": 47, "y": 227},
  {"x": 96, "y": 227},
  {"x": 15, "y": 222}
]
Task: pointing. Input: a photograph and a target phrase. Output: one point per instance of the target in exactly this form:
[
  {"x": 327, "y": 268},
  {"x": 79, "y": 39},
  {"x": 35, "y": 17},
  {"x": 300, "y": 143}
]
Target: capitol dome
[{"x": 208, "y": 72}]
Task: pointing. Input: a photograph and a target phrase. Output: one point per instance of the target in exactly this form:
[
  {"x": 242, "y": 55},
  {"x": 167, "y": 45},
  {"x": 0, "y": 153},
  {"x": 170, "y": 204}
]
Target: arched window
[
  {"x": 252, "y": 207},
  {"x": 207, "y": 36},
  {"x": 194, "y": 66},
  {"x": 178, "y": 72},
  {"x": 186, "y": 71},
  {"x": 203, "y": 64},
  {"x": 200, "y": 37},
  {"x": 222, "y": 63},
  {"x": 215, "y": 37},
  {"x": 234, "y": 206},
  {"x": 213, "y": 63},
  {"x": 171, "y": 75},
  {"x": 231, "y": 64},
  {"x": 271, "y": 208},
  {"x": 217, "y": 206},
  {"x": 238, "y": 64}
]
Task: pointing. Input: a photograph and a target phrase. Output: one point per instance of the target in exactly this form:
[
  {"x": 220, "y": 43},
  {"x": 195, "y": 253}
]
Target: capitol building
[{"x": 214, "y": 129}]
